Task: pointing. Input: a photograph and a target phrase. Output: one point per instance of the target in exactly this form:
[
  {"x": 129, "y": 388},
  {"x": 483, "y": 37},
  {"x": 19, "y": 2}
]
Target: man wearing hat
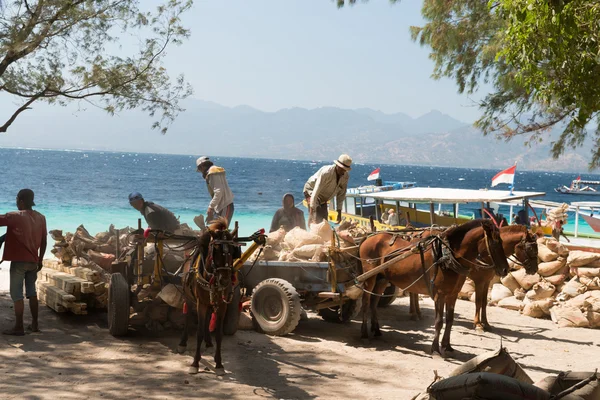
[
  {"x": 25, "y": 248},
  {"x": 157, "y": 217},
  {"x": 329, "y": 181},
  {"x": 221, "y": 203}
]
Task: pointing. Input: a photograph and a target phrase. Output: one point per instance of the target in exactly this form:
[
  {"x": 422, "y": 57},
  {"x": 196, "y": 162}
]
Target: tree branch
[{"x": 19, "y": 110}]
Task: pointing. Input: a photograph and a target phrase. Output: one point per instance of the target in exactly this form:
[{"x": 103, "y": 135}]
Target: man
[
  {"x": 329, "y": 181},
  {"x": 156, "y": 217},
  {"x": 288, "y": 217},
  {"x": 221, "y": 203},
  {"x": 393, "y": 218},
  {"x": 25, "y": 248}
]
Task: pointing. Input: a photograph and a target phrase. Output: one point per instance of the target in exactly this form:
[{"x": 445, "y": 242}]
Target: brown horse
[
  {"x": 447, "y": 255},
  {"x": 517, "y": 241},
  {"x": 209, "y": 286}
]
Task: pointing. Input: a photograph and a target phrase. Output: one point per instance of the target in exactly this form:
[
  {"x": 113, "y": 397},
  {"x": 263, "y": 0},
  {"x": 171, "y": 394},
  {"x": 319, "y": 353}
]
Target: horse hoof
[
  {"x": 413, "y": 317},
  {"x": 436, "y": 355},
  {"x": 479, "y": 329},
  {"x": 192, "y": 370},
  {"x": 487, "y": 328},
  {"x": 181, "y": 349},
  {"x": 377, "y": 334},
  {"x": 220, "y": 371},
  {"x": 420, "y": 317}
]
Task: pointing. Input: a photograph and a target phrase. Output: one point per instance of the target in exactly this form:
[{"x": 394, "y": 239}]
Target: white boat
[{"x": 580, "y": 187}]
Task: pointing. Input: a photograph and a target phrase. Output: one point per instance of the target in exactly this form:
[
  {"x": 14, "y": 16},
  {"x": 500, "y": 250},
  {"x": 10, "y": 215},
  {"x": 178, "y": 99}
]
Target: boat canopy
[
  {"x": 587, "y": 182},
  {"x": 450, "y": 196}
]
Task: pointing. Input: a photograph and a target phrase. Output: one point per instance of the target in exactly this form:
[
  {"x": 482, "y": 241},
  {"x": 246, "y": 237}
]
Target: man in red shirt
[{"x": 25, "y": 245}]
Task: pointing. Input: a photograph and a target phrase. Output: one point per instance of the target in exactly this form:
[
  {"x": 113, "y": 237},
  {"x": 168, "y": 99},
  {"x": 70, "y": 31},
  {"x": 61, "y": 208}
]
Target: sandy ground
[{"x": 76, "y": 358}]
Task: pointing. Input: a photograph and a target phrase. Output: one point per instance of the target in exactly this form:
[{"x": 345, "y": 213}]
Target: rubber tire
[
  {"x": 232, "y": 315},
  {"x": 118, "y": 305},
  {"x": 389, "y": 291},
  {"x": 350, "y": 310},
  {"x": 285, "y": 310}
]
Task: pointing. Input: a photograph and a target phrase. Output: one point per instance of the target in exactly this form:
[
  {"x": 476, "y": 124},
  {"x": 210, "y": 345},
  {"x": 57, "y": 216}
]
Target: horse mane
[
  {"x": 220, "y": 224},
  {"x": 456, "y": 234}
]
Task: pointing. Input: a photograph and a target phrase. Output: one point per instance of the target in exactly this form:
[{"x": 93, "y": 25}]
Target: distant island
[{"x": 294, "y": 133}]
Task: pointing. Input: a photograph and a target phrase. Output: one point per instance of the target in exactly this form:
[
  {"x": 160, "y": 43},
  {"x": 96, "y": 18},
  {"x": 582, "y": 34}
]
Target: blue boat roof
[{"x": 387, "y": 186}]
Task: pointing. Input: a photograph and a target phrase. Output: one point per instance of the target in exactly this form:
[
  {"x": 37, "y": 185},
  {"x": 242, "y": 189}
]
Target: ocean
[{"x": 91, "y": 188}]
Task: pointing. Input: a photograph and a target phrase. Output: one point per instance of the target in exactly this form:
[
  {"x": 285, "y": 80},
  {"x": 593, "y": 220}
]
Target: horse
[
  {"x": 454, "y": 252},
  {"x": 209, "y": 286},
  {"x": 517, "y": 241}
]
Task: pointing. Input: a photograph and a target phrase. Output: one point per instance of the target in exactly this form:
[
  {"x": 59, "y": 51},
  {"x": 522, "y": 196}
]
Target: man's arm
[
  {"x": 341, "y": 194},
  {"x": 275, "y": 222},
  {"x": 43, "y": 246},
  {"x": 301, "y": 221}
]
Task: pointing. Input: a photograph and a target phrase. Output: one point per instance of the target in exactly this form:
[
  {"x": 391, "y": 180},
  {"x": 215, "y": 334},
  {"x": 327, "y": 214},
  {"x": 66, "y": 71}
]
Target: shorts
[
  {"x": 22, "y": 272},
  {"x": 226, "y": 213}
]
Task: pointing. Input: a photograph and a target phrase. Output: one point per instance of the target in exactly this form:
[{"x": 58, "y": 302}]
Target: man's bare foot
[{"x": 33, "y": 327}]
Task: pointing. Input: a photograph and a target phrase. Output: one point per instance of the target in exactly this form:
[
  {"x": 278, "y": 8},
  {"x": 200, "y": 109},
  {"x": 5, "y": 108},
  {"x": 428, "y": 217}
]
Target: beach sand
[{"x": 76, "y": 358}]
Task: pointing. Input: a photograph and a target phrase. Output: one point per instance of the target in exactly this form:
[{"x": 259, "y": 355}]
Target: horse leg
[
  {"x": 486, "y": 326},
  {"x": 202, "y": 310},
  {"x": 380, "y": 286},
  {"x": 450, "y": 304},
  {"x": 480, "y": 295},
  {"x": 184, "y": 335},
  {"x": 369, "y": 284},
  {"x": 207, "y": 335},
  {"x": 415, "y": 309},
  {"x": 439, "y": 322},
  {"x": 220, "y": 315}
]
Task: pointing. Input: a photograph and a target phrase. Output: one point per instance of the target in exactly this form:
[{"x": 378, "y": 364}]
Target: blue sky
[{"x": 308, "y": 53}]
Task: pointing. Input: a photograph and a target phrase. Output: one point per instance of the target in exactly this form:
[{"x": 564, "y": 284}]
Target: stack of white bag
[
  {"x": 566, "y": 287},
  {"x": 298, "y": 244}
]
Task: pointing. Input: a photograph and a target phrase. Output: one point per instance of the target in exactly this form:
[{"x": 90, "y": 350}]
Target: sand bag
[
  {"x": 307, "y": 251},
  {"x": 468, "y": 288},
  {"x": 485, "y": 386},
  {"x": 500, "y": 292},
  {"x": 557, "y": 384},
  {"x": 541, "y": 290},
  {"x": 593, "y": 318},
  {"x": 524, "y": 280},
  {"x": 473, "y": 297},
  {"x": 511, "y": 303},
  {"x": 510, "y": 282},
  {"x": 569, "y": 317},
  {"x": 592, "y": 302},
  {"x": 590, "y": 283},
  {"x": 545, "y": 254},
  {"x": 578, "y": 258},
  {"x": 520, "y": 293},
  {"x": 533, "y": 310},
  {"x": 269, "y": 254},
  {"x": 556, "y": 279},
  {"x": 512, "y": 266},
  {"x": 171, "y": 295},
  {"x": 572, "y": 288},
  {"x": 578, "y": 301},
  {"x": 323, "y": 230},
  {"x": 497, "y": 362},
  {"x": 551, "y": 267},
  {"x": 275, "y": 238},
  {"x": 555, "y": 246},
  {"x": 588, "y": 272},
  {"x": 298, "y": 237}
]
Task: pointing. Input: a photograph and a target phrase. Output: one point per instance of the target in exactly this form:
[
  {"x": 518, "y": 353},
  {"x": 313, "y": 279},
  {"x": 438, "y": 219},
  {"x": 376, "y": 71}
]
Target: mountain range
[{"x": 369, "y": 136}]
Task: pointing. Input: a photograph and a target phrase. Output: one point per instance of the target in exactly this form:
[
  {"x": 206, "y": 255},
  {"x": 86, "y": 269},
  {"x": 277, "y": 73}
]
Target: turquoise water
[{"x": 91, "y": 188}]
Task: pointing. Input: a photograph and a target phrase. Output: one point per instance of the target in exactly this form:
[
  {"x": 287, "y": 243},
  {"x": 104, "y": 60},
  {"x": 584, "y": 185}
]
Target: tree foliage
[
  {"x": 60, "y": 51},
  {"x": 542, "y": 58}
]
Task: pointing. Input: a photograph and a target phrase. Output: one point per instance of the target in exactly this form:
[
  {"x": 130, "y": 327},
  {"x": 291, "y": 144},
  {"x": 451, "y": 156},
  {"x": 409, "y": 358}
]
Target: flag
[
  {"x": 373, "y": 175},
  {"x": 506, "y": 176}
]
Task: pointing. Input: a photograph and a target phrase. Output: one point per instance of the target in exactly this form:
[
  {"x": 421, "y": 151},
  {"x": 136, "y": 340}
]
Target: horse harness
[{"x": 208, "y": 280}]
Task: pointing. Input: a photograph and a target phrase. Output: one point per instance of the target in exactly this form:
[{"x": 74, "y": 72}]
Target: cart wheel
[
  {"x": 276, "y": 306},
  {"x": 391, "y": 291},
  {"x": 350, "y": 310},
  {"x": 118, "y": 305},
  {"x": 232, "y": 315}
]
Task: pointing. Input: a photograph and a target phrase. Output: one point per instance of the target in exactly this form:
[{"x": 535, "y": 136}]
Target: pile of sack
[
  {"x": 565, "y": 289},
  {"x": 496, "y": 376},
  {"x": 309, "y": 245}
]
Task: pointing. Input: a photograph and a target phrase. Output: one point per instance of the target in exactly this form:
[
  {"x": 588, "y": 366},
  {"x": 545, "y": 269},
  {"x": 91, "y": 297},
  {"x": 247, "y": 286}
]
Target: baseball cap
[
  {"x": 201, "y": 160},
  {"x": 135, "y": 196}
]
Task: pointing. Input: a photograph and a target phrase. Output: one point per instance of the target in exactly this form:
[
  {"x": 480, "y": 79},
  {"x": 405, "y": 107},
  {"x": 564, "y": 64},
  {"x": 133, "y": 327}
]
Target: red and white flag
[
  {"x": 373, "y": 175},
  {"x": 506, "y": 176}
]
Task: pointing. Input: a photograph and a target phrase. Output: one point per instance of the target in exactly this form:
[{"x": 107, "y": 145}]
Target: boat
[
  {"x": 385, "y": 186},
  {"x": 581, "y": 187}
]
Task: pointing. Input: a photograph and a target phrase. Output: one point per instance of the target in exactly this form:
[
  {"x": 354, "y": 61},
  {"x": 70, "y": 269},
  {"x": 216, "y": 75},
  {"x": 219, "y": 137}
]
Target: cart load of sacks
[{"x": 566, "y": 287}]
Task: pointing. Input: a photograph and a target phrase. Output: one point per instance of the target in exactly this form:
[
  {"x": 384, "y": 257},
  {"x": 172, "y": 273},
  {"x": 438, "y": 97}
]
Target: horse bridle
[
  {"x": 213, "y": 285},
  {"x": 530, "y": 253}
]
